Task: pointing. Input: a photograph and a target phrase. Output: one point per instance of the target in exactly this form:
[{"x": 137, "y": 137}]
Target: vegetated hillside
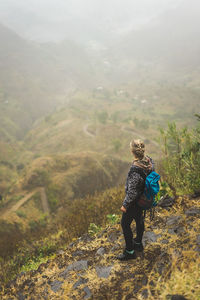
[
  {"x": 8, "y": 172},
  {"x": 72, "y": 186},
  {"x": 74, "y": 175},
  {"x": 63, "y": 178},
  {"x": 34, "y": 77},
  {"x": 105, "y": 120},
  {"x": 87, "y": 268},
  {"x": 23, "y": 92}
]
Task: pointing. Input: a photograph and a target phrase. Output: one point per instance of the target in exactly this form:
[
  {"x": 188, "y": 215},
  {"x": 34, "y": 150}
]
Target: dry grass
[
  {"x": 183, "y": 278},
  {"x": 178, "y": 258}
]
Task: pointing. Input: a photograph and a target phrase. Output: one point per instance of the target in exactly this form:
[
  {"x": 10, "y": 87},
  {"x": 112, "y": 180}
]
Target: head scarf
[{"x": 144, "y": 163}]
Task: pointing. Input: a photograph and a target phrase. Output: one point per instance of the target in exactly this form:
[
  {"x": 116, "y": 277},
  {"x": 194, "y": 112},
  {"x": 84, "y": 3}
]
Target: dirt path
[
  {"x": 123, "y": 128},
  {"x": 45, "y": 204},
  {"x": 85, "y": 130},
  {"x": 16, "y": 206}
]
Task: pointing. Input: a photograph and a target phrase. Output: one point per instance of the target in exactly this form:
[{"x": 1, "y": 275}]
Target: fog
[
  {"x": 101, "y": 20},
  {"x": 51, "y": 48},
  {"x": 80, "y": 79}
]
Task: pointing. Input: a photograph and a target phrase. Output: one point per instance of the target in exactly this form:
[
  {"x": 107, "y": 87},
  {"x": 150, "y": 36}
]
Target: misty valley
[{"x": 68, "y": 111}]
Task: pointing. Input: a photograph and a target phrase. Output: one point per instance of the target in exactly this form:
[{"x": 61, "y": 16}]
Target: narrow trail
[
  {"x": 45, "y": 204},
  {"x": 21, "y": 202},
  {"x": 123, "y": 128},
  {"x": 16, "y": 206},
  {"x": 85, "y": 130},
  {"x": 64, "y": 123}
]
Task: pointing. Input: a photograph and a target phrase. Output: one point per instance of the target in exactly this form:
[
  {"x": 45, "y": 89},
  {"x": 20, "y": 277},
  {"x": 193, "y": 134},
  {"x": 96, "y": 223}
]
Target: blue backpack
[{"x": 147, "y": 199}]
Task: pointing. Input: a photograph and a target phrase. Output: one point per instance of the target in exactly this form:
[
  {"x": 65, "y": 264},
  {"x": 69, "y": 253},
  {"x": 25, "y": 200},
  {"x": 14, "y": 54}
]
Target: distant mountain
[
  {"x": 171, "y": 41},
  {"x": 34, "y": 80},
  {"x": 34, "y": 76},
  {"x": 77, "y": 20}
]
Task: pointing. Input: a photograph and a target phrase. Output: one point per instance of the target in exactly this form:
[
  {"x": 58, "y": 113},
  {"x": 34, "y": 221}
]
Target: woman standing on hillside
[{"x": 134, "y": 188}]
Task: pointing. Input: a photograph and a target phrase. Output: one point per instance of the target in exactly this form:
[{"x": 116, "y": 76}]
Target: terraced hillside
[{"x": 52, "y": 183}]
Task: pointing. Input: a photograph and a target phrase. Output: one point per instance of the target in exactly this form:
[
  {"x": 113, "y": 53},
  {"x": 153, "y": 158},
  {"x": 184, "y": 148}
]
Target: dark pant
[{"x": 132, "y": 213}]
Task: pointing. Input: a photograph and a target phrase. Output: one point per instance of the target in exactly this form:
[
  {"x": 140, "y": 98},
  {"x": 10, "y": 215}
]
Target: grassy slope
[
  {"x": 111, "y": 115},
  {"x": 103, "y": 121},
  {"x": 64, "y": 129},
  {"x": 169, "y": 265},
  {"x": 65, "y": 177}
]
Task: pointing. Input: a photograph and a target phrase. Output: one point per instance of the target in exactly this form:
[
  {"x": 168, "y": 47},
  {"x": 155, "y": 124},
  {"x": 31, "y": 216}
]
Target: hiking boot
[
  {"x": 126, "y": 256},
  {"x": 137, "y": 246}
]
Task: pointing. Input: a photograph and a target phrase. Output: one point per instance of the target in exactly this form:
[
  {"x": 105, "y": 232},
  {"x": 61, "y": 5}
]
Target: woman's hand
[{"x": 123, "y": 209}]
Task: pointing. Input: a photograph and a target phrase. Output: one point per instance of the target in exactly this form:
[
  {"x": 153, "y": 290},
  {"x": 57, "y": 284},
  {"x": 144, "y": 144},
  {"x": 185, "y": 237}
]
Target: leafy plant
[
  {"x": 39, "y": 177},
  {"x": 164, "y": 190},
  {"x": 113, "y": 218},
  {"x": 21, "y": 214},
  {"x": 93, "y": 229},
  {"x": 33, "y": 225},
  {"x": 181, "y": 162}
]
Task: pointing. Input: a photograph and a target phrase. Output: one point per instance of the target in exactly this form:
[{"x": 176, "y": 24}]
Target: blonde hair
[{"x": 137, "y": 148}]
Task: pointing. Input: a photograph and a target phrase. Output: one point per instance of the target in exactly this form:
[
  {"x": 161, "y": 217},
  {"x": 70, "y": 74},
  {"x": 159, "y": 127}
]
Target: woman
[{"x": 142, "y": 165}]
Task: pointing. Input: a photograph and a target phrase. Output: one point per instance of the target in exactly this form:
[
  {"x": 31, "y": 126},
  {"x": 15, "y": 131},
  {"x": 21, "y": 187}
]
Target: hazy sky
[{"x": 57, "y": 19}]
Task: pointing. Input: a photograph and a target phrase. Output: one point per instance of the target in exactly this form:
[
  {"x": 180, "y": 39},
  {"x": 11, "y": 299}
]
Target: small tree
[
  {"x": 102, "y": 117},
  {"x": 117, "y": 145},
  {"x": 181, "y": 163}
]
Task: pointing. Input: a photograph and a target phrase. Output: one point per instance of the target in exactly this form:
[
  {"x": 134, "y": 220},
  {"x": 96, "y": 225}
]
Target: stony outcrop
[{"x": 88, "y": 269}]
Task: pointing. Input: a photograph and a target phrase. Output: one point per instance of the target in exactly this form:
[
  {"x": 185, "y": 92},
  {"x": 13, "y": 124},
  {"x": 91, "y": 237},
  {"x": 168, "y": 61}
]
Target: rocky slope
[{"x": 87, "y": 268}]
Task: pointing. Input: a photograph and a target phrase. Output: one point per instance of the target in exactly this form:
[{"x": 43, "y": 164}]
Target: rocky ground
[{"x": 87, "y": 268}]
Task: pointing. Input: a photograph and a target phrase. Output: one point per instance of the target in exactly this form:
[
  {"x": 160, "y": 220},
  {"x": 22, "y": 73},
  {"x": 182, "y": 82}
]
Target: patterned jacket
[{"x": 135, "y": 184}]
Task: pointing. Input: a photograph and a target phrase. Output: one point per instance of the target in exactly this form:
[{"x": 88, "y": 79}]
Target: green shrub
[
  {"x": 117, "y": 144},
  {"x": 38, "y": 178},
  {"x": 181, "y": 163},
  {"x": 144, "y": 124},
  {"x": 93, "y": 229},
  {"x": 43, "y": 220},
  {"x": 115, "y": 117},
  {"x": 113, "y": 218},
  {"x": 33, "y": 225},
  {"x": 21, "y": 214},
  {"x": 102, "y": 117},
  {"x": 53, "y": 196}
]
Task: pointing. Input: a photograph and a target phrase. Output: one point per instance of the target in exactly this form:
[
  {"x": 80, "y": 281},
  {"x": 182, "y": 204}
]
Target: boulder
[
  {"x": 178, "y": 297},
  {"x": 166, "y": 201},
  {"x": 144, "y": 294},
  {"x": 77, "y": 253},
  {"x": 192, "y": 211},
  {"x": 150, "y": 237},
  {"x": 76, "y": 266},
  {"x": 100, "y": 251},
  {"x": 87, "y": 292},
  {"x": 198, "y": 239},
  {"x": 173, "y": 220},
  {"x": 79, "y": 282},
  {"x": 56, "y": 285},
  {"x": 103, "y": 272},
  {"x": 21, "y": 296}
]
